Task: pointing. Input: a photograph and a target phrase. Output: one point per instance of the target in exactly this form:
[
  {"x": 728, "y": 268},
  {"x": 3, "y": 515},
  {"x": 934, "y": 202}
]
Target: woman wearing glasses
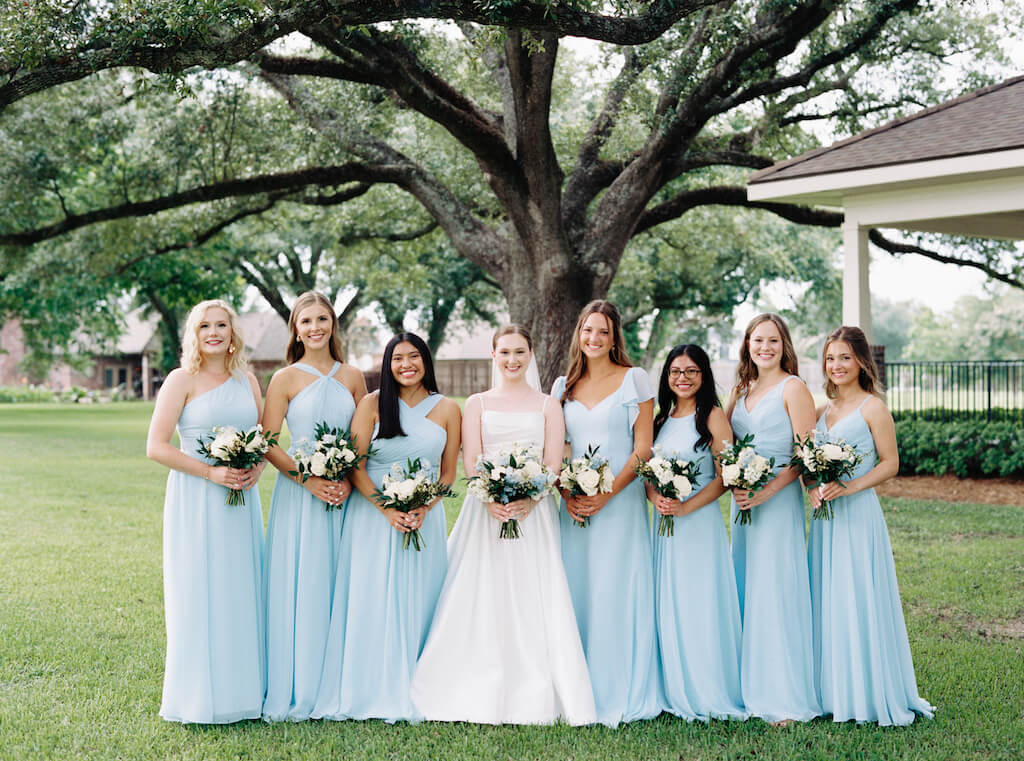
[{"x": 696, "y": 608}]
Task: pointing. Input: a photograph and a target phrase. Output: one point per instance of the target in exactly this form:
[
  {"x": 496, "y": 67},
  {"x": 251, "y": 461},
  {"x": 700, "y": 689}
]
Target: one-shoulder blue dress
[
  {"x": 609, "y": 565},
  {"x": 769, "y": 554},
  {"x": 695, "y": 603},
  {"x": 385, "y": 595},
  {"x": 301, "y": 560},
  {"x": 213, "y": 559},
  {"x": 863, "y": 667}
]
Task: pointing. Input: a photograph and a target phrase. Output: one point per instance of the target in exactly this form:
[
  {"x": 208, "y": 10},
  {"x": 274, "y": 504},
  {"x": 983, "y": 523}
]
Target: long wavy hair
[
  {"x": 578, "y": 360},
  {"x": 387, "y": 399},
  {"x": 192, "y": 356},
  {"x": 706, "y": 396},
  {"x": 296, "y": 349},
  {"x": 868, "y": 375},
  {"x": 746, "y": 370}
]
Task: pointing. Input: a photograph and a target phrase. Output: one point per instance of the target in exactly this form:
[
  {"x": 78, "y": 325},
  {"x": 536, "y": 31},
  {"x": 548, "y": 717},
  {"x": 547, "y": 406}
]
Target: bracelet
[{"x": 206, "y": 475}]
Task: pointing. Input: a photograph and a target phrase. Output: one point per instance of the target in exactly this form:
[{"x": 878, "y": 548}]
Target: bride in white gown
[{"x": 504, "y": 647}]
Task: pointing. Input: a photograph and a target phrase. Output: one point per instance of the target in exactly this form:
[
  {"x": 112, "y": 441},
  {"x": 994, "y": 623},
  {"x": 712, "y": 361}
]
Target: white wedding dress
[{"x": 504, "y": 647}]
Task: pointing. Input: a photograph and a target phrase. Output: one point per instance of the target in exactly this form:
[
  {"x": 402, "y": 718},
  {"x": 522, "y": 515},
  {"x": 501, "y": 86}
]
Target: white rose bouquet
[
  {"x": 409, "y": 488},
  {"x": 516, "y": 472},
  {"x": 672, "y": 477},
  {"x": 744, "y": 468},
  {"x": 332, "y": 455},
  {"x": 237, "y": 449},
  {"x": 825, "y": 459},
  {"x": 586, "y": 476}
]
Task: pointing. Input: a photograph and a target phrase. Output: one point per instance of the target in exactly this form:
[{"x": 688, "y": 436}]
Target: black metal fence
[{"x": 992, "y": 390}]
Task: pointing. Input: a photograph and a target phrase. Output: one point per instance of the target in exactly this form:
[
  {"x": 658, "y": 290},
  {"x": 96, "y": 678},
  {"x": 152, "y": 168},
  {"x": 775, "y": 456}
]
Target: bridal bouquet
[
  {"x": 744, "y": 468},
  {"x": 586, "y": 476},
  {"x": 825, "y": 460},
  {"x": 672, "y": 477},
  {"x": 516, "y": 472},
  {"x": 332, "y": 455},
  {"x": 409, "y": 488},
  {"x": 237, "y": 449}
]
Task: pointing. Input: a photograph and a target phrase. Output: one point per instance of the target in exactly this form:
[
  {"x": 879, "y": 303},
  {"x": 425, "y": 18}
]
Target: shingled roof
[{"x": 983, "y": 121}]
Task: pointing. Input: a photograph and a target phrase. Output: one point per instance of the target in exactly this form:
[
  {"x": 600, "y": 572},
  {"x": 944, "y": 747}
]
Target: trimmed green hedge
[
  {"x": 966, "y": 448},
  {"x": 938, "y": 413}
]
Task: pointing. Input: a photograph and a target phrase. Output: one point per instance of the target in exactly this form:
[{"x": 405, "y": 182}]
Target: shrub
[
  {"x": 940, "y": 413},
  {"x": 14, "y": 394},
  {"x": 966, "y": 448}
]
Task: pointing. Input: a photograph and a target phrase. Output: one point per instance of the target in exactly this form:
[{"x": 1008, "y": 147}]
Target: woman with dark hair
[
  {"x": 303, "y": 531},
  {"x": 609, "y": 404},
  {"x": 695, "y": 604},
  {"x": 504, "y": 647},
  {"x": 384, "y": 596},
  {"x": 862, "y": 664},
  {"x": 770, "y": 402}
]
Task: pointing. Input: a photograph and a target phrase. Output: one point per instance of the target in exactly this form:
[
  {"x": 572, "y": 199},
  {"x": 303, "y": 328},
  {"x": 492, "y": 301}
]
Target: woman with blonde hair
[
  {"x": 771, "y": 402},
  {"x": 606, "y": 543},
  {"x": 304, "y": 528},
  {"x": 862, "y": 664},
  {"x": 212, "y": 551}
]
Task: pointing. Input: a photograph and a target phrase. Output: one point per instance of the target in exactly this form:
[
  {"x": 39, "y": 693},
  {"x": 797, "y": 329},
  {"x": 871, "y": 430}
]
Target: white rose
[
  {"x": 683, "y": 486},
  {"x": 606, "y": 480},
  {"x": 745, "y": 456},
  {"x": 328, "y": 438},
  {"x": 256, "y": 445},
  {"x": 731, "y": 474},
  {"x": 318, "y": 464},
  {"x": 833, "y": 452},
  {"x": 658, "y": 463},
  {"x": 348, "y": 455},
  {"x": 588, "y": 481},
  {"x": 405, "y": 489},
  {"x": 497, "y": 473},
  {"x": 532, "y": 469}
]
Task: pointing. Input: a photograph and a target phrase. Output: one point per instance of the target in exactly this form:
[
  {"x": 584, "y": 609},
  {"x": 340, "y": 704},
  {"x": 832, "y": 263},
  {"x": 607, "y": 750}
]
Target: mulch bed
[{"x": 988, "y": 491}]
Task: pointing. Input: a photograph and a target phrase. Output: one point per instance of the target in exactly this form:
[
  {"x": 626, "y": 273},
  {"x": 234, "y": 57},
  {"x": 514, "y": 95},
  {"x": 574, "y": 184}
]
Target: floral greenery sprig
[
  {"x": 516, "y": 472},
  {"x": 587, "y": 476},
  {"x": 233, "y": 448},
  {"x": 744, "y": 468},
  {"x": 332, "y": 455},
  {"x": 672, "y": 477},
  {"x": 409, "y": 488},
  {"x": 825, "y": 459}
]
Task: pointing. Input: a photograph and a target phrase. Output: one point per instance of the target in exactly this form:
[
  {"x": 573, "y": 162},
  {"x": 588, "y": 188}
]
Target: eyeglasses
[{"x": 691, "y": 373}]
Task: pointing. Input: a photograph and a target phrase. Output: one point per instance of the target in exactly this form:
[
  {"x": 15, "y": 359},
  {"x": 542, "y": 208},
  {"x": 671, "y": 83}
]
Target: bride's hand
[
  {"x": 520, "y": 508},
  {"x": 498, "y": 511}
]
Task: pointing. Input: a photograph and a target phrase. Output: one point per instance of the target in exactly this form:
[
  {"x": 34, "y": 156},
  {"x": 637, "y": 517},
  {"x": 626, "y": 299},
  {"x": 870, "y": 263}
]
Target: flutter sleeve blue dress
[
  {"x": 213, "y": 560},
  {"x": 385, "y": 595},
  {"x": 695, "y": 603},
  {"x": 608, "y": 563},
  {"x": 862, "y": 664},
  {"x": 769, "y": 555},
  {"x": 301, "y": 560}
]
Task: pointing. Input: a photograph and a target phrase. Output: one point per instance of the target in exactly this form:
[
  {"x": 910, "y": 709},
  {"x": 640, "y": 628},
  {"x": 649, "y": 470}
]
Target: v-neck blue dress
[
  {"x": 862, "y": 664},
  {"x": 301, "y": 560},
  {"x": 608, "y": 563},
  {"x": 769, "y": 554},
  {"x": 213, "y": 560},
  {"x": 385, "y": 595}
]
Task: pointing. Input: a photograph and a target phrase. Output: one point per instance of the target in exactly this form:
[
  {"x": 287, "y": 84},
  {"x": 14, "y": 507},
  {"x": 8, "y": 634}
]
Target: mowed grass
[{"x": 82, "y": 633}]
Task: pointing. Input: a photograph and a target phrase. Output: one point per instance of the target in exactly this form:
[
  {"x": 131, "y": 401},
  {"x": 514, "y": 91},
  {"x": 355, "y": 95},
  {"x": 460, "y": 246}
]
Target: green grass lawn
[{"x": 82, "y": 633}]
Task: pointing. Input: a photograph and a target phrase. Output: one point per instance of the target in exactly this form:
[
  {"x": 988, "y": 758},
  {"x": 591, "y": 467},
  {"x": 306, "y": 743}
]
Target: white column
[
  {"x": 147, "y": 386},
  {"x": 856, "y": 263}
]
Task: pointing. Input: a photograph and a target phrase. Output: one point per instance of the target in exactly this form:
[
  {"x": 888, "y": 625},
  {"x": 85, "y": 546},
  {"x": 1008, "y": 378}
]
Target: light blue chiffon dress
[
  {"x": 769, "y": 554},
  {"x": 213, "y": 559},
  {"x": 385, "y": 595},
  {"x": 695, "y": 603},
  {"x": 863, "y": 668},
  {"x": 301, "y": 560},
  {"x": 609, "y": 564}
]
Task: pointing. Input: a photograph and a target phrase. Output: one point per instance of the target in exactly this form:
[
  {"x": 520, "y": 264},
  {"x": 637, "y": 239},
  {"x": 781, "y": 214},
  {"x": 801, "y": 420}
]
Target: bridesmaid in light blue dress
[
  {"x": 303, "y": 533},
  {"x": 769, "y": 401},
  {"x": 385, "y": 594},
  {"x": 695, "y": 603},
  {"x": 862, "y": 664},
  {"x": 608, "y": 563},
  {"x": 212, "y": 551}
]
